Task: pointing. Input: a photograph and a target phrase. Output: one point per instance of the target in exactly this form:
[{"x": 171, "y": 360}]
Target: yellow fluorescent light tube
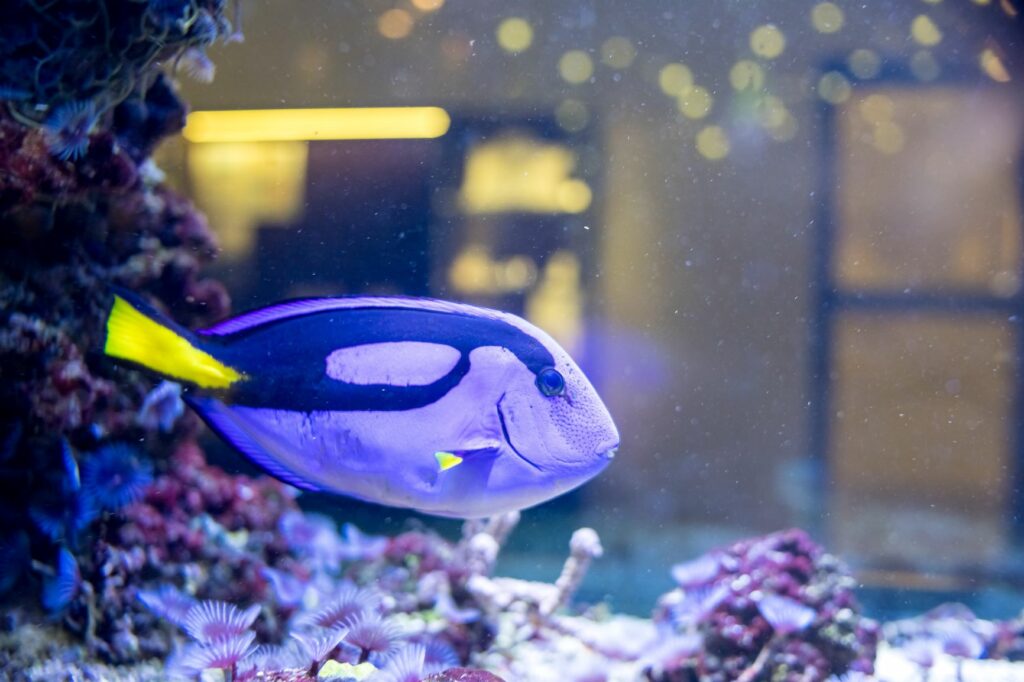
[{"x": 267, "y": 125}]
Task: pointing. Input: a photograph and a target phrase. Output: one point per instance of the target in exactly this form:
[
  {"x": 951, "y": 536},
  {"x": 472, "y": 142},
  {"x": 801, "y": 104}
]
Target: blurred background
[{"x": 783, "y": 238}]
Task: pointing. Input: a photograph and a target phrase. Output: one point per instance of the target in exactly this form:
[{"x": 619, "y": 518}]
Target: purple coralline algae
[
  {"x": 87, "y": 94},
  {"x": 771, "y": 608},
  {"x": 950, "y": 642}
]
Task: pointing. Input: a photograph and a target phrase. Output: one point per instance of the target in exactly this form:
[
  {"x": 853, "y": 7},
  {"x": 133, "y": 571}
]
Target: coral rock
[{"x": 463, "y": 675}]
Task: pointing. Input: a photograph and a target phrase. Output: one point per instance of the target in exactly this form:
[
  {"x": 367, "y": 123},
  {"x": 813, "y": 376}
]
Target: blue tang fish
[{"x": 445, "y": 408}]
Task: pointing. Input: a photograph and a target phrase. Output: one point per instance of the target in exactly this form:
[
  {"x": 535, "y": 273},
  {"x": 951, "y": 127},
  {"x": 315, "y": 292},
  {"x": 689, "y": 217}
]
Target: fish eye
[{"x": 550, "y": 382}]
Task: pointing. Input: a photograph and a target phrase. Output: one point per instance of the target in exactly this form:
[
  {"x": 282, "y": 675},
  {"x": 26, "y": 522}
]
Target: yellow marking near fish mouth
[
  {"x": 447, "y": 460},
  {"x": 134, "y": 336}
]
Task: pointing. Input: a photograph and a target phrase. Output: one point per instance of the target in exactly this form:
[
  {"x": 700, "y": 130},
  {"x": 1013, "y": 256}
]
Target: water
[{"x": 783, "y": 241}]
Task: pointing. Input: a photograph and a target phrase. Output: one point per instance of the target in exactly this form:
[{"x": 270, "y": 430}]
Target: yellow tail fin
[{"x": 135, "y": 336}]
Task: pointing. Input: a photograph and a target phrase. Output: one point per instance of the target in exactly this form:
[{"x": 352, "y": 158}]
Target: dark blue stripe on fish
[{"x": 285, "y": 360}]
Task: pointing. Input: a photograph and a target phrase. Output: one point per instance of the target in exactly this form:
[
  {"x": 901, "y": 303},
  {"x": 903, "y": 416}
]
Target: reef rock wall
[{"x": 86, "y": 94}]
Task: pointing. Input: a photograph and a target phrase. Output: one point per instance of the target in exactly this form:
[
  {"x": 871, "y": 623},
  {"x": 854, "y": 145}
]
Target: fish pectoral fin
[
  {"x": 447, "y": 460},
  {"x": 481, "y": 447}
]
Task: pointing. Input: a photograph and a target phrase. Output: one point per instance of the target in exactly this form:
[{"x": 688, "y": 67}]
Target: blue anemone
[
  {"x": 63, "y": 518},
  {"x": 72, "y": 479},
  {"x": 168, "y": 10},
  {"x": 222, "y": 654},
  {"x": 375, "y": 636},
  {"x": 785, "y": 615},
  {"x": 68, "y": 129},
  {"x": 698, "y": 572},
  {"x": 350, "y": 602},
  {"x": 14, "y": 553},
  {"x": 168, "y": 602},
  {"x": 318, "y": 645},
  {"x": 60, "y": 588},
  {"x": 210, "y": 621},
  {"x": 116, "y": 475},
  {"x": 439, "y": 656},
  {"x": 9, "y": 441},
  {"x": 161, "y": 408},
  {"x": 406, "y": 665},
  {"x": 197, "y": 65},
  {"x": 13, "y": 94},
  {"x": 357, "y": 546},
  {"x": 287, "y": 589},
  {"x": 265, "y": 657}
]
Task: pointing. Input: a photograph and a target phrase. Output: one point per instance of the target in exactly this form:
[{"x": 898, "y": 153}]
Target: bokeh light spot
[
  {"x": 771, "y": 112},
  {"x": 695, "y": 102},
  {"x": 924, "y": 66},
  {"x": 924, "y": 31},
  {"x": 428, "y": 5},
  {"x": 827, "y": 17},
  {"x": 876, "y": 108},
  {"x": 785, "y": 131},
  {"x": 572, "y": 115},
  {"x": 674, "y": 79},
  {"x": 834, "y": 88},
  {"x": 864, "y": 63},
  {"x": 576, "y": 66},
  {"x": 888, "y": 137},
  {"x": 993, "y": 66},
  {"x": 767, "y": 41},
  {"x": 713, "y": 143},
  {"x": 618, "y": 52},
  {"x": 573, "y": 196},
  {"x": 746, "y": 75},
  {"x": 515, "y": 34},
  {"x": 395, "y": 24}
]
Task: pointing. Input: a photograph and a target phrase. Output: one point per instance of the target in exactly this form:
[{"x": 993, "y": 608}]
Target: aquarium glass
[{"x": 782, "y": 241}]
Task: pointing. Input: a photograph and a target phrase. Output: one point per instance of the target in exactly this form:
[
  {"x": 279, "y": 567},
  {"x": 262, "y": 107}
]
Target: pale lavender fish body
[{"x": 440, "y": 407}]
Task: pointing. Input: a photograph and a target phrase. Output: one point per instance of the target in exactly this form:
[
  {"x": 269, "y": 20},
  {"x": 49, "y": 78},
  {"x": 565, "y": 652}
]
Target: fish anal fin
[{"x": 234, "y": 430}]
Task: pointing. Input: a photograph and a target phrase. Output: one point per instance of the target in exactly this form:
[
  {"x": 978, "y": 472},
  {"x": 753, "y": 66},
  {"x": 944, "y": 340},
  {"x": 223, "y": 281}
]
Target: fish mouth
[
  {"x": 508, "y": 438},
  {"x": 609, "y": 450}
]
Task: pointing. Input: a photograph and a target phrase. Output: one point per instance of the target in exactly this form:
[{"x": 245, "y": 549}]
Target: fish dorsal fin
[{"x": 296, "y": 308}]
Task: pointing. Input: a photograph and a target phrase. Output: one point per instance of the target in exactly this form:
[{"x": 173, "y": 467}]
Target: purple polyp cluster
[{"x": 772, "y": 603}]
